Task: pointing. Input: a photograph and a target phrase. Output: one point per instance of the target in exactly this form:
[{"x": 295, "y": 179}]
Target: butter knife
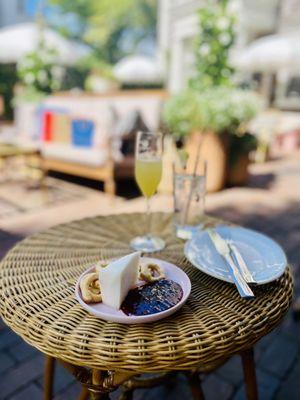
[
  {"x": 224, "y": 250},
  {"x": 241, "y": 263}
]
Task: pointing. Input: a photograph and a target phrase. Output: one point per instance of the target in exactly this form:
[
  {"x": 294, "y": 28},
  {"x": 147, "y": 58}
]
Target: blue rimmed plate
[{"x": 264, "y": 258}]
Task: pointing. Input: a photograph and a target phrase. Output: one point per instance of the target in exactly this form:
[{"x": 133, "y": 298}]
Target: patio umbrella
[
  {"x": 17, "y": 40},
  {"x": 270, "y": 53},
  {"x": 138, "y": 69}
]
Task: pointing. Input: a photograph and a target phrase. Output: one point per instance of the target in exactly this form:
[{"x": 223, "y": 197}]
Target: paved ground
[{"x": 270, "y": 204}]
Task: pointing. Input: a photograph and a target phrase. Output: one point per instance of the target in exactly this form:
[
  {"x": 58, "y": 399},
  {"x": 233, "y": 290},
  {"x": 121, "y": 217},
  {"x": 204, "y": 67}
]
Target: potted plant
[
  {"x": 212, "y": 113},
  {"x": 240, "y": 148},
  {"x": 227, "y": 112},
  {"x": 215, "y": 119}
]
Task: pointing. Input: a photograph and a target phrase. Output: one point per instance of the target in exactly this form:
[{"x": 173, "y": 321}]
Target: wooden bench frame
[{"x": 103, "y": 173}]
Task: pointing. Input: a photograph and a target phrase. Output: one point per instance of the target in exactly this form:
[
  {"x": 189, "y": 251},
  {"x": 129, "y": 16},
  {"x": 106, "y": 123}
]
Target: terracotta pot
[
  {"x": 238, "y": 172},
  {"x": 214, "y": 150}
]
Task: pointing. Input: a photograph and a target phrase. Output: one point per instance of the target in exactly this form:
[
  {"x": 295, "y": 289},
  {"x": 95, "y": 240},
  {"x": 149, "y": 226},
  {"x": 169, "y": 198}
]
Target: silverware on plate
[
  {"x": 224, "y": 250},
  {"x": 241, "y": 262}
]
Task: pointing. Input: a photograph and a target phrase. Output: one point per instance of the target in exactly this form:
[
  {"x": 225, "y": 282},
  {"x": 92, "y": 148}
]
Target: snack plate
[{"x": 107, "y": 313}]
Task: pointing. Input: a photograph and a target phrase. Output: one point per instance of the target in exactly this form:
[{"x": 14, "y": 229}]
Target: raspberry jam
[{"x": 152, "y": 298}]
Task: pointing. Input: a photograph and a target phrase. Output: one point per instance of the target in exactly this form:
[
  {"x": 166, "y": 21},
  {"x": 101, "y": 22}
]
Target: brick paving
[{"x": 271, "y": 204}]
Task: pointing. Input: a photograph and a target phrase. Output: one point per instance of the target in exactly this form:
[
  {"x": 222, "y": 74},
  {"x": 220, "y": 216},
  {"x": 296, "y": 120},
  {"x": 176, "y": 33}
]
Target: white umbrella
[
  {"x": 138, "y": 69},
  {"x": 270, "y": 53},
  {"x": 18, "y": 40}
]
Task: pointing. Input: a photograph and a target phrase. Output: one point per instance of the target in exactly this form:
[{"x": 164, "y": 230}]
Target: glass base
[
  {"x": 185, "y": 232},
  {"x": 147, "y": 244}
]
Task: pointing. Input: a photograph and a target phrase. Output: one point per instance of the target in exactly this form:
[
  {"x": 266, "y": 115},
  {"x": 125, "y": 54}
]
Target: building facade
[{"x": 177, "y": 28}]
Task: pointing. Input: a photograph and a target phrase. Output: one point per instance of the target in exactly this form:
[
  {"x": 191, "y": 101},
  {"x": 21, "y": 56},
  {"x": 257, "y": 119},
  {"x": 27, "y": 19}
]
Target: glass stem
[{"x": 148, "y": 217}]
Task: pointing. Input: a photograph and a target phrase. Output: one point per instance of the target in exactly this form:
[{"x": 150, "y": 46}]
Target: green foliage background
[
  {"x": 36, "y": 70},
  {"x": 105, "y": 23},
  {"x": 215, "y": 38}
]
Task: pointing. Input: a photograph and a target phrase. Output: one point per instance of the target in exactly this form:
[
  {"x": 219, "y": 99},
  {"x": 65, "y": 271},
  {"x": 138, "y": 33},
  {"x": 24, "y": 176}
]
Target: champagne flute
[{"x": 148, "y": 171}]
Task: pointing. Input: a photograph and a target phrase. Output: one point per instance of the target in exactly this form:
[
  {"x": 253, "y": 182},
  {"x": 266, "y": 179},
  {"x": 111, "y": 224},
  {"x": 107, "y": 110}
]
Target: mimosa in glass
[
  {"x": 148, "y": 171},
  {"x": 148, "y": 175}
]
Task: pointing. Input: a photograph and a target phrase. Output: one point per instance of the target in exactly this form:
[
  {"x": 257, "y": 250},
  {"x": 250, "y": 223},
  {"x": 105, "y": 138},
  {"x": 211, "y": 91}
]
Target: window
[{"x": 288, "y": 90}]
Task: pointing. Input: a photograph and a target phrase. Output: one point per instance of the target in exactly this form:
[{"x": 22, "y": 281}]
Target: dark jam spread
[{"x": 152, "y": 298}]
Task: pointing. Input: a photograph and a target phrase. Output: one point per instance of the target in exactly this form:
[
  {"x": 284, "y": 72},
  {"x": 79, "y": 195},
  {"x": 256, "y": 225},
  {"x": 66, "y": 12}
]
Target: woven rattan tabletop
[{"x": 37, "y": 279}]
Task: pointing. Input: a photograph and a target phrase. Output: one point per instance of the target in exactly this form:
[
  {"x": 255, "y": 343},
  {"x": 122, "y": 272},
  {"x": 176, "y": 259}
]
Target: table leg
[
  {"x": 249, "y": 374},
  {"x": 97, "y": 380},
  {"x": 195, "y": 384},
  {"x": 48, "y": 377},
  {"x": 127, "y": 394},
  {"x": 84, "y": 394}
]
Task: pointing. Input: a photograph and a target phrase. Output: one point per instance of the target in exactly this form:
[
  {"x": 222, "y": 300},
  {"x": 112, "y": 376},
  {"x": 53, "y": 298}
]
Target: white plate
[
  {"x": 110, "y": 314},
  {"x": 264, "y": 258}
]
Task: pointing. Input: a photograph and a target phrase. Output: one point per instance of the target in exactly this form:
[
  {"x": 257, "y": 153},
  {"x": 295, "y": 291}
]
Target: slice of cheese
[{"x": 118, "y": 278}]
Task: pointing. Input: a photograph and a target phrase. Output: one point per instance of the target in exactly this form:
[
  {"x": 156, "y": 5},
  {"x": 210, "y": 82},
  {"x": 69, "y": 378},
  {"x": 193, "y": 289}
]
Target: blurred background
[{"x": 79, "y": 78}]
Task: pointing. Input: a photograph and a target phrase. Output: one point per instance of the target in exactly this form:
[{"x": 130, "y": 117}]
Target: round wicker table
[{"x": 37, "y": 279}]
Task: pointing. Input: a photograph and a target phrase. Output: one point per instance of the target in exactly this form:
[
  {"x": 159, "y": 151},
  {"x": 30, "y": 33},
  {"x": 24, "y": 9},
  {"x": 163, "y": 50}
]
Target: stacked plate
[{"x": 264, "y": 258}]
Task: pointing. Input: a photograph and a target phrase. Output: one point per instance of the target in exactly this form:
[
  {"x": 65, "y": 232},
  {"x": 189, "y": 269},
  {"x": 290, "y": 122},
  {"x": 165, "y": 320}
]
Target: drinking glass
[
  {"x": 148, "y": 171},
  {"x": 189, "y": 203}
]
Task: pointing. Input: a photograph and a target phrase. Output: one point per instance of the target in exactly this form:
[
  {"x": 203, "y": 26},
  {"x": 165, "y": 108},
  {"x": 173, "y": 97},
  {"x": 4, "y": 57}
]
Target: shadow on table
[
  {"x": 7, "y": 241},
  {"x": 261, "y": 181}
]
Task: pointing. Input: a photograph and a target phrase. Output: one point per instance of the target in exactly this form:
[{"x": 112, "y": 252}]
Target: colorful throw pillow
[
  {"x": 55, "y": 124},
  {"x": 61, "y": 128},
  {"x": 83, "y": 131},
  {"x": 47, "y": 122}
]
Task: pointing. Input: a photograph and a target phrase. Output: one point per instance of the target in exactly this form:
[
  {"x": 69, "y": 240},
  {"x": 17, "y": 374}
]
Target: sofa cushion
[{"x": 87, "y": 156}]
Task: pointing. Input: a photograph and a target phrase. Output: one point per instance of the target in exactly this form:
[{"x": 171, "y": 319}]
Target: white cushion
[
  {"x": 9, "y": 137},
  {"x": 88, "y": 156}
]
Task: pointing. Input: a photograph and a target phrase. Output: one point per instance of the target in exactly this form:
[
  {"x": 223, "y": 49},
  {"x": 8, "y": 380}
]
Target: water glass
[{"x": 189, "y": 203}]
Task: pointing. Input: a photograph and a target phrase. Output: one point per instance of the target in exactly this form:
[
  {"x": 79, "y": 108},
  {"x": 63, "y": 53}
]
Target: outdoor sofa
[{"x": 88, "y": 135}]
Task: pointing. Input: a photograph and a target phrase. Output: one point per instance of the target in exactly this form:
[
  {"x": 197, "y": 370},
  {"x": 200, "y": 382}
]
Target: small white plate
[
  {"x": 110, "y": 314},
  {"x": 264, "y": 258}
]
